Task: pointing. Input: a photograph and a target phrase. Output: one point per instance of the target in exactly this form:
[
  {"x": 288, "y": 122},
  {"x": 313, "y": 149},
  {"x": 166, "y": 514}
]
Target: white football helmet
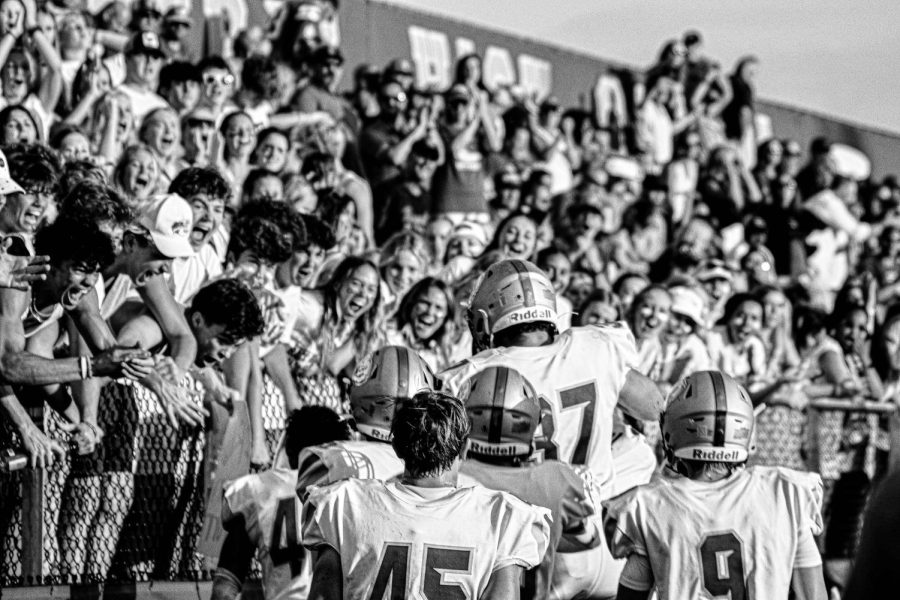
[
  {"x": 504, "y": 411},
  {"x": 394, "y": 373},
  {"x": 708, "y": 417},
  {"x": 510, "y": 292}
]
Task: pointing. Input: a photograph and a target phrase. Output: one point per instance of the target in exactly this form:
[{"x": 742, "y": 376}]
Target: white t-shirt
[{"x": 191, "y": 273}]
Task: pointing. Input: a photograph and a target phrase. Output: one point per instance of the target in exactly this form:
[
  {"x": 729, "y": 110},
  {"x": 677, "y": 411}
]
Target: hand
[
  {"x": 19, "y": 272},
  {"x": 216, "y": 390},
  {"x": 41, "y": 450},
  {"x": 260, "y": 456},
  {"x": 30, "y": 13},
  {"x": 168, "y": 370},
  {"x": 179, "y": 403},
  {"x": 114, "y": 362},
  {"x": 567, "y": 126},
  {"x": 85, "y": 436}
]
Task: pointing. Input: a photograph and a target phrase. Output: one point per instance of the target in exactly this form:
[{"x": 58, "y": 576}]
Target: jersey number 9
[{"x": 723, "y": 566}]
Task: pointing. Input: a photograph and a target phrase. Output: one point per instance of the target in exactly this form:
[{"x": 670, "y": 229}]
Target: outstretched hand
[{"x": 19, "y": 272}]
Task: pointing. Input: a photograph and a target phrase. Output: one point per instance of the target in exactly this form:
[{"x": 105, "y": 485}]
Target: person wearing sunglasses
[{"x": 216, "y": 86}]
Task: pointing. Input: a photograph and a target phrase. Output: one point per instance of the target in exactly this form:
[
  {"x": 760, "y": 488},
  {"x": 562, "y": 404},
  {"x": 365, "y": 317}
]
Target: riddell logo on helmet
[
  {"x": 534, "y": 314},
  {"x": 715, "y": 455}
]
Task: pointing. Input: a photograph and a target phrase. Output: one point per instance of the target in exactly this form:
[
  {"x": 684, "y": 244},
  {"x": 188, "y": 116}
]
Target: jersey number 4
[
  {"x": 723, "y": 566},
  {"x": 286, "y": 527},
  {"x": 393, "y": 572}
]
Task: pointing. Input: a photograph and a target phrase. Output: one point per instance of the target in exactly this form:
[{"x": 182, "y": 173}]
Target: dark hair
[
  {"x": 429, "y": 432},
  {"x": 34, "y": 166},
  {"x": 544, "y": 255},
  {"x": 62, "y": 131},
  {"x": 76, "y": 171},
  {"x": 283, "y": 215},
  {"x": 265, "y": 239},
  {"x": 365, "y": 326},
  {"x": 81, "y": 83},
  {"x": 461, "y": 65},
  {"x": 404, "y": 312},
  {"x": 213, "y": 62},
  {"x": 881, "y": 358},
  {"x": 177, "y": 72},
  {"x": 734, "y": 302},
  {"x": 118, "y": 176},
  {"x": 312, "y": 426},
  {"x": 260, "y": 76},
  {"x": 92, "y": 202},
  {"x": 808, "y": 321},
  {"x": 621, "y": 279},
  {"x": 331, "y": 204},
  {"x": 605, "y": 296},
  {"x": 495, "y": 242},
  {"x": 200, "y": 180},
  {"x": 231, "y": 304},
  {"x": 78, "y": 241},
  {"x": 507, "y": 337},
  {"x": 318, "y": 233},
  {"x": 254, "y": 177}
]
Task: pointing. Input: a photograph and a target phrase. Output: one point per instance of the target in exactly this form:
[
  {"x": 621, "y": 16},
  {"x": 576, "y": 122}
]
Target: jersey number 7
[
  {"x": 394, "y": 570},
  {"x": 582, "y": 398}
]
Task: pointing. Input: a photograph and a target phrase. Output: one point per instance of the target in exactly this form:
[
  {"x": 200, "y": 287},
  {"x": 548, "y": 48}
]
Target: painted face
[
  {"x": 163, "y": 133},
  {"x": 598, "y": 313},
  {"x": 746, "y": 321},
  {"x": 428, "y": 313},
  {"x": 403, "y": 271},
  {"x": 518, "y": 238},
  {"x": 272, "y": 153},
  {"x": 19, "y": 128},
  {"x": 75, "y": 146},
  {"x": 559, "y": 270},
  {"x": 358, "y": 292},
  {"x": 651, "y": 314}
]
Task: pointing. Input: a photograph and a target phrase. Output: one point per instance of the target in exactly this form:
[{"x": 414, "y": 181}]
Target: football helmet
[
  {"x": 504, "y": 411},
  {"x": 708, "y": 417},
  {"x": 510, "y": 292},
  {"x": 394, "y": 373}
]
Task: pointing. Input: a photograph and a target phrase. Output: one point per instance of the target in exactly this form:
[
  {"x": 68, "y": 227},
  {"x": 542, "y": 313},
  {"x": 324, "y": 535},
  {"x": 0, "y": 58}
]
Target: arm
[
  {"x": 277, "y": 367},
  {"x": 110, "y": 39},
  {"x": 399, "y": 153},
  {"x": 328, "y": 578},
  {"x": 640, "y": 397},
  {"x": 234, "y": 561},
  {"x": 298, "y": 119},
  {"x": 169, "y": 315},
  {"x": 41, "y": 450},
  {"x": 243, "y": 372},
  {"x": 52, "y": 86},
  {"x": 491, "y": 134},
  {"x": 503, "y": 584},
  {"x": 808, "y": 584}
]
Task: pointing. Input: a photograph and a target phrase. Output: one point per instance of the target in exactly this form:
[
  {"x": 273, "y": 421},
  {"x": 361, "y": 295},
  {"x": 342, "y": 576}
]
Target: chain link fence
[{"x": 143, "y": 507}]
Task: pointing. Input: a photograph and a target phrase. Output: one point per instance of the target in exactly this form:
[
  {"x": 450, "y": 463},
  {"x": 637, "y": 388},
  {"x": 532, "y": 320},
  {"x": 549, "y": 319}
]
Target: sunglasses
[
  {"x": 401, "y": 97},
  {"x": 227, "y": 80}
]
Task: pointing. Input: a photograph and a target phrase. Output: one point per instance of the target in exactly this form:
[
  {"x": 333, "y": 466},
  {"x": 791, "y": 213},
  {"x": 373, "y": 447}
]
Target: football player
[
  {"x": 706, "y": 526},
  {"x": 580, "y": 375},
  {"x": 394, "y": 373},
  {"x": 261, "y": 511},
  {"x": 422, "y": 536},
  {"x": 504, "y": 414}
]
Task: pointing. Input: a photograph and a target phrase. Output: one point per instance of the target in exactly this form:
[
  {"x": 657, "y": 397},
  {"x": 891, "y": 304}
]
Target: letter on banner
[
  {"x": 430, "y": 51},
  {"x": 498, "y": 67},
  {"x": 535, "y": 75},
  {"x": 464, "y": 47}
]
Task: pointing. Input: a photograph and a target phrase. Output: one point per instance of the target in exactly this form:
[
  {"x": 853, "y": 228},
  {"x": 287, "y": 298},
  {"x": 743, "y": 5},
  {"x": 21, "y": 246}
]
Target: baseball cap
[
  {"x": 688, "y": 302},
  {"x": 457, "y": 92},
  {"x": 467, "y": 229},
  {"x": 714, "y": 269},
  {"x": 551, "y": 103},
  {"x": 179, "y": 14},
  {"x": 400, "y": 66},
  {"x": 144, "y": 42},
  {"x": 7, "y": 185},
  {"x": 168, "y": 219}
]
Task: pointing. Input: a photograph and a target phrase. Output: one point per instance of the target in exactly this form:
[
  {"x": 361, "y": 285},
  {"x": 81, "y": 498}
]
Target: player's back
[
  {"x": 739, "y": 535},
  {"x": 413, "y": 542},
  {"x": 558, "y": 487},
  {"x": 268, "y": 503},
  {"x": 336, "y": 461},
  {"x": 580, "y": 376}
]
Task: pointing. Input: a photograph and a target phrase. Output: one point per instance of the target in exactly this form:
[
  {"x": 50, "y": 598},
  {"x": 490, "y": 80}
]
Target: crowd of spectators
[{"x": 165, "y": 187}]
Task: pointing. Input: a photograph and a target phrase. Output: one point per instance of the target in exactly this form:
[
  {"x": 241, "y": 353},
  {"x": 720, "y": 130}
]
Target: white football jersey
[
  {"x": 399, "y": 541},
  {"x": 566, "y": 491},
  {"x": 336, "y": 461},
  {"x": 579, "y": 377},
  {"x": 737, "y": 537},
  {"x": 271, "y": 510}
]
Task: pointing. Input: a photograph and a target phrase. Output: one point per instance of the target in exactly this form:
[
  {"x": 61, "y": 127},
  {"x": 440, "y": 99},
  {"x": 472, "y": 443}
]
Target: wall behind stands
[{"x": 376, "y": 32}]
